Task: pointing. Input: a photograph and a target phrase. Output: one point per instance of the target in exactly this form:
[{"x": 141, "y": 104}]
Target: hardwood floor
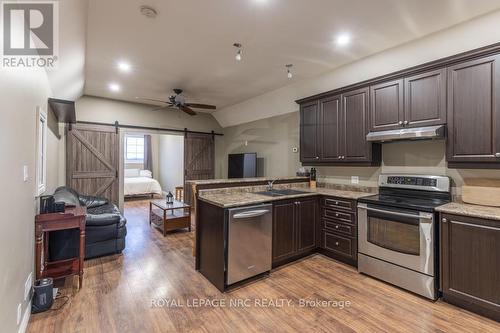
[{"x": 120, "y": 292}]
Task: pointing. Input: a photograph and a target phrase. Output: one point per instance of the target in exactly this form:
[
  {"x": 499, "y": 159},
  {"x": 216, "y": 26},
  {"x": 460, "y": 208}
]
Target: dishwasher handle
[{"x": 253, "y": 213}]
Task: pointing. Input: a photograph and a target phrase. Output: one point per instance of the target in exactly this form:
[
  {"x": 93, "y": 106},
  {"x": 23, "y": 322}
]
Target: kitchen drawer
[
  {"x": 332, "y": 202},
  {"x": 338, "y": 244},
  {"x": 338, "y": 215},
  {"x": 338, "y": 227}
]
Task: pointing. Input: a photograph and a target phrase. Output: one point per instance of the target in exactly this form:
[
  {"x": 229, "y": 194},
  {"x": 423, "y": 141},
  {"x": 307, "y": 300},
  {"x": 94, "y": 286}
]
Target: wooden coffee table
[{"x": 167, "y": 217}]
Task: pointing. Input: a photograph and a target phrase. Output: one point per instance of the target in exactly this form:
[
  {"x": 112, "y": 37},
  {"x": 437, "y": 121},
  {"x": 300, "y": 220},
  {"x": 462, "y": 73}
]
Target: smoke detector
[{"x": 148, "y": 11}]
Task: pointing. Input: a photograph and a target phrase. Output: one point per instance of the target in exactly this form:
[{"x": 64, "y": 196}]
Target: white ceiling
[{"x": 189, "y": 44}]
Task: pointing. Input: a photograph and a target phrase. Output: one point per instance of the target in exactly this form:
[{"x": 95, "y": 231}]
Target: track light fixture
[
  {"x": 288, "y": 70},
  {"x": 239, "y": 52}
]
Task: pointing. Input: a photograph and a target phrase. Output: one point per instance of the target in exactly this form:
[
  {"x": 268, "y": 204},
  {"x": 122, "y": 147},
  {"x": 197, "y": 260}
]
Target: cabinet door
[
  {"x": 355, "y": 126},
  {"x": 470, "y": 254},
  {"x": 330, "y": 129},
  {"x": 309, "y": 148},
  {"x": 306, "y": 224},
  {"x": 474, "y": 111},
  {"x": 386, "y": 106},
  {"x": 425, "y": 99},
  {"x": 284, "y": 230}
]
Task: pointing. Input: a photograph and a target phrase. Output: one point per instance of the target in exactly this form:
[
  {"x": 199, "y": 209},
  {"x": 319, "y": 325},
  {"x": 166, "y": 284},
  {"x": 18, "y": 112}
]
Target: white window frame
[
  {"x": 41, "y": 151},
  {"x": 126, "y": 147}
]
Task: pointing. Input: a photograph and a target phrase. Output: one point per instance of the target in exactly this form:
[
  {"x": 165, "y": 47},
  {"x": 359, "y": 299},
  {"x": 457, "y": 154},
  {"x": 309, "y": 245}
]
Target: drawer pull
[
  {"x": 337, "y": 214},
  {"x": 336, "y": 243},
  {"x": 336, "y": 226}
]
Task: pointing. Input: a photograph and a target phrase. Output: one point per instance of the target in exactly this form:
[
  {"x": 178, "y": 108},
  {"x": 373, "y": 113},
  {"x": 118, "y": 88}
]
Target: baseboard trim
[{"x": 26, "y": 318}]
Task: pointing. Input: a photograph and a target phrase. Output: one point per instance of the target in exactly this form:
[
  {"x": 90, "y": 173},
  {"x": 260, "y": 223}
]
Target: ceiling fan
[{"x": 178, "y": 101}]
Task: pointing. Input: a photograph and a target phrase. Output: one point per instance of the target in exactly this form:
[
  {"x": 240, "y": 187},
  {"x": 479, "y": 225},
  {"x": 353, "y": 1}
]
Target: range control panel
[{"x": 412, "y": 181}]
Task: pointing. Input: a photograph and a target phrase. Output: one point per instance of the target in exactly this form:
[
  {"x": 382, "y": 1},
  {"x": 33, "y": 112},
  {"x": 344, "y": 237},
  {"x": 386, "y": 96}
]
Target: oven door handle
[{"x": 421, "y": 215}]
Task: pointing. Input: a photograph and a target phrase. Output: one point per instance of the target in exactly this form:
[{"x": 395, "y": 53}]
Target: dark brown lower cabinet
[
  {"x": 294, "y": 229},
  {"x": 470, "y": 263},
  {"x": 338, "y": 229}
]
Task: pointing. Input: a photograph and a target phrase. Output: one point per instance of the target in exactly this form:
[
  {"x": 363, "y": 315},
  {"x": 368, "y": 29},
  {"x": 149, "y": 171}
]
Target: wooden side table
[
  {"x": 72, "y": 218},
  {"x": 169, "y": 217}
]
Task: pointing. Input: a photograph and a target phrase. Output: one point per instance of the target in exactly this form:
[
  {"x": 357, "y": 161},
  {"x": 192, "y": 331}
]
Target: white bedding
[{"x": 141, "y": 185}]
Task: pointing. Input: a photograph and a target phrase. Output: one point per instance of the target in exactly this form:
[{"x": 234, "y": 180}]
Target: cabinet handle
[
  {"x": 497, "y": 154},
  {"x": 336, "y": 202},
  {"x": 336, "y": 214},
  {"x": 336, "y": 243},
  {"x": 406, "y": 122},
  {"x": 343, "y": 157},
  {"x": 337, "y": 226},
  {"x": 444, "y": 220},
  {"x": 317, "y": 157},
  {"x": 340, "y": 157},
  {"x": 400, "y": 122}
]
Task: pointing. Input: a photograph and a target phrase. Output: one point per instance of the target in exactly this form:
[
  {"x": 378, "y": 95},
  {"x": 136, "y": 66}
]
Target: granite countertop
[
  {"x": 236, "y": 199},
  {"x": 243, "y": 180},
  {"x": 459, "y": 208}
]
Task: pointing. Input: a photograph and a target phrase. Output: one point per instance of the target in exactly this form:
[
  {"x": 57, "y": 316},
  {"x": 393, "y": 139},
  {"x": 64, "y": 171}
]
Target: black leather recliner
[{"x": 105, "y": 228}]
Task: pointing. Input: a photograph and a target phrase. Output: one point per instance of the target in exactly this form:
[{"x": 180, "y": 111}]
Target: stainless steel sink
[{"x": 280, "y": 193}]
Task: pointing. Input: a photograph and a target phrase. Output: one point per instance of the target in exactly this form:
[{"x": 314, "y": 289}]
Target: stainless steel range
[{"x": 397, "y": 231}]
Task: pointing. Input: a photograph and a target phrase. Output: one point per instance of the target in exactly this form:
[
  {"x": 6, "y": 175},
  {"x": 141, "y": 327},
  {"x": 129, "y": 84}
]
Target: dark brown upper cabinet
[
  {"x": 474, "y": 111},
  {"x": 425, "y": 99},
  {"x": 333, "y": 130},
  {"x": 309, "y": 137},
  {"x": 387, "y": 105},
  {"x": 355, "y": 107},
  {"x": 329, "y": 128}
]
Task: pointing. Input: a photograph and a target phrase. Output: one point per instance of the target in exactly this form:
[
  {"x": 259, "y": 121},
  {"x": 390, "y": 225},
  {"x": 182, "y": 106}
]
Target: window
[
  {"x": 134, "y": 149},
  {"x": 41, "y": 161}
]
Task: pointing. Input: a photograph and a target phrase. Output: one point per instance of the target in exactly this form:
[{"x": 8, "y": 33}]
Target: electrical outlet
[
  {"x": 354, "y": 180},
  {"x": 19, "y": 313},
  {"x": 27, "y": 286},
  {"x": 295, "y": 150}
]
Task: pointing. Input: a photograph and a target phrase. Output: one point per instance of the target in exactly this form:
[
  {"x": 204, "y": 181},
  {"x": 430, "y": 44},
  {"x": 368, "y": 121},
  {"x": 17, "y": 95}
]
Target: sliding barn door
[
  {"x": 92, "y": 160},
  {"x": 199, "y": 160}
]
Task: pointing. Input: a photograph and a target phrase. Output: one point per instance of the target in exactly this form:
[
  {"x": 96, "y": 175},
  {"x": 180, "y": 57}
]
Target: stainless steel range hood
[{"x": 420, "y": 133}]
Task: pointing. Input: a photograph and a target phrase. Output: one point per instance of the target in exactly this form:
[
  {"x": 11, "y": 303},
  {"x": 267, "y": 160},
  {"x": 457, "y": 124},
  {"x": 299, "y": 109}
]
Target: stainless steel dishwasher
[{"x": 249, "y": 242}]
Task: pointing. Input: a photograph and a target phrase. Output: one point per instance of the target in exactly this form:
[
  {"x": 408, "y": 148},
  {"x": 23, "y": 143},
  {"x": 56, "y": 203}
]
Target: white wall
[
  {"x": 479, "y": 32},
  {"x": 171, "y": 162},
  {"x": 21, "y": 91}
]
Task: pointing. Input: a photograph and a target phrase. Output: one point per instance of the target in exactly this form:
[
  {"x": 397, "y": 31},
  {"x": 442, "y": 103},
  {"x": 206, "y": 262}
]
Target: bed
[{"x": 140, "y": 182}]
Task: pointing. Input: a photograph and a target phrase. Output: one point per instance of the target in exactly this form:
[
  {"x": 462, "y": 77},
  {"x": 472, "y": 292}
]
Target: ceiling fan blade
[
  {"x": 152, "y": 100},
  {"x": 187, "y": 110},
  {"x": 162, "y": 108},
  {"x": 201, "y": 106}
]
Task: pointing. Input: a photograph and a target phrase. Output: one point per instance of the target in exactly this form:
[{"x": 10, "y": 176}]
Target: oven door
[{"x": 399, "y": 236}]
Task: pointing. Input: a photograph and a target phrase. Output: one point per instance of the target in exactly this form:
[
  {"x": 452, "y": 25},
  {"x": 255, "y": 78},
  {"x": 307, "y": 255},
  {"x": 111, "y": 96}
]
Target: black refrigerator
[{"x": 242, "y": 165}]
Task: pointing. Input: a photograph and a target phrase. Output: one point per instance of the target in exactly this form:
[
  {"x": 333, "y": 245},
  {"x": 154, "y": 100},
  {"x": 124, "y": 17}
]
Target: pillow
[
  {"x": 146, "y": 173},
  {"x": 130, "y": 173}
]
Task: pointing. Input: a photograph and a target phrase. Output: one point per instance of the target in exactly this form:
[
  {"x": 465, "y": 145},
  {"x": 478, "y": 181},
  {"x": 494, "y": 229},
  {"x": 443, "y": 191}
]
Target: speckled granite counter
[
  {"x": 244, "y": 180},
  {"x": 459, "y": 208},
  {"x": 247, "y": 196}
]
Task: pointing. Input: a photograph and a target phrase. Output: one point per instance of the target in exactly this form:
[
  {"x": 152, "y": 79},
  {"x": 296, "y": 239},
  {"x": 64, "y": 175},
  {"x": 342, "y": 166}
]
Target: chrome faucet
[{"x": 270, "y": 185}]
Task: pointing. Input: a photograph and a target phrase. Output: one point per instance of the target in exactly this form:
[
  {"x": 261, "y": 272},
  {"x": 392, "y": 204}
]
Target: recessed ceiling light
[
  {"x": 114, "y": 87},
  {"x": 124, "y": 66},
  {"x": 343, "y": 39}
]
